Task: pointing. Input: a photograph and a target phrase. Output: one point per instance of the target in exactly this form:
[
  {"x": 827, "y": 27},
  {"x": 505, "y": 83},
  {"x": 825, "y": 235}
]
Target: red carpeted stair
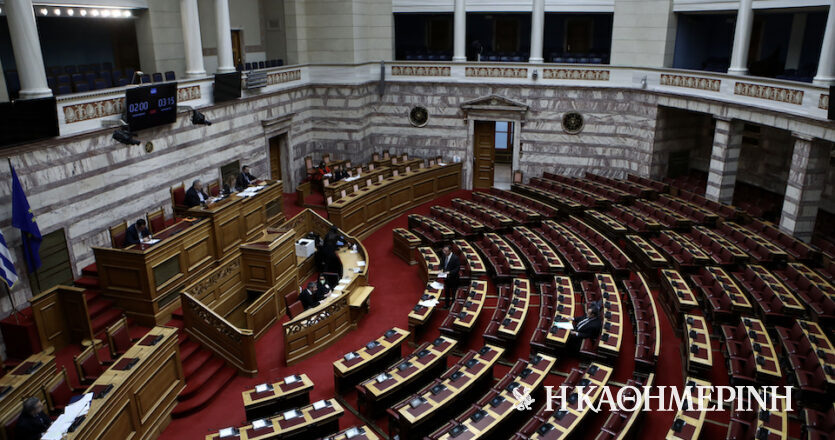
[
  {"x": 206, "y": 375},
  {"x": 101, "y": 310}
]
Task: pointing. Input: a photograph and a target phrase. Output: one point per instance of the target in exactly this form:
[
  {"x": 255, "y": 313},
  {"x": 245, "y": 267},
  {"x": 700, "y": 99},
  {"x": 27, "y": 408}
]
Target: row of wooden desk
[
  {"x": 144, "y": 279},
  {"x": 25, "y": 380}
]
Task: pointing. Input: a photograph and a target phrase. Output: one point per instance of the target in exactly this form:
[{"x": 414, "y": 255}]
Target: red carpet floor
[{"x": 397, "y": 288}]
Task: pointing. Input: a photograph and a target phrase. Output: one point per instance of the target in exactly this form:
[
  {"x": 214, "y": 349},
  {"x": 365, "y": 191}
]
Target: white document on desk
[
  {"x": 339, "y": 288},
  {"x": 436, "y": 285},
  {"x": 564, "y": 325},
  {"x": 152, "y": 241},
  {"x": 60, "y": 426},
  {"x": 428, "y": 302},
  {"x": 442, "y": 274}
]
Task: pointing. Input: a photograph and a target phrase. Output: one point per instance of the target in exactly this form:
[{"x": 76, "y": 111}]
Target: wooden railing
[
  {"x": 262, "y": 313},
  {"x": 236, "y": 346}
]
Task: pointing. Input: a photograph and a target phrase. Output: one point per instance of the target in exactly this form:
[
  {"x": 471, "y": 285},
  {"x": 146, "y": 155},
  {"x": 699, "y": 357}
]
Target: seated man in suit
[
  {"x": 137, "y": 232},
  {"x": 308, "y": 296},
  {"x": 244, "y": 179},
  {"x": 195, "y": 195},
  {"x": 322, "y": 288},
  {"x": 33, "y": 422},
  {"x": 587, "y": 326}
]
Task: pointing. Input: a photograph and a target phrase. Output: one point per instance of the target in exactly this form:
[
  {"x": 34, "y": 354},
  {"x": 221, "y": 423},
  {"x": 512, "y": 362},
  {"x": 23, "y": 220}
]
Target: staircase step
[
  {"x": 187, "y": 348},
  {"x": 91, "y": 295},
  {"x": 196, "y": 381},
  {"x": 177, "y": 314},
  {"x": 195, "y": 362},
  {"x": 206, "y": 392},
  {"x": 98, "y": 306},
  {"x": 104, "y": 319},
  {"x": 87, "y": 282},
  {"x": 91, "y": 270}
]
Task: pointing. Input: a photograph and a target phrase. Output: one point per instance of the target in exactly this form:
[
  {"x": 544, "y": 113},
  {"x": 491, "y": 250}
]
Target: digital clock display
[{"x": 151, "y": 105}]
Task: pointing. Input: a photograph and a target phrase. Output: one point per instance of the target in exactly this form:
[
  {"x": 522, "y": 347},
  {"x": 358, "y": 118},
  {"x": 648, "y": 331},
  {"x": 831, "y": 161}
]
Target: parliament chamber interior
[{"x": 403, "y": 219}]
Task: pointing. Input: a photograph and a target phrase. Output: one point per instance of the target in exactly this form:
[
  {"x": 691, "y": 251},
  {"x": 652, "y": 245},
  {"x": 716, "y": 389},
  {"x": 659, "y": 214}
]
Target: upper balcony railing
[{"x": 83, "y": 112}]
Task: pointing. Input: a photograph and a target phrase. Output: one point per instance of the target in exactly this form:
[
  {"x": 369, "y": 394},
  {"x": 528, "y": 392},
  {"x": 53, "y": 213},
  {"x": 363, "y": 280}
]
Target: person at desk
[
  {"x": 195, "y": 195},
  {"x": 322, "y": 288},
  {"x": 230, "y": 186},
  {"x": 308, "y": 296},
  {"x": 33, "y": 422},
  {"x": 587, "y": 326},
  {"x": 450, "y": 267},
  {"x": 137, "y": 232},
  {"x": 322, "y": 172},
  {"x": 244, "y": 179}
]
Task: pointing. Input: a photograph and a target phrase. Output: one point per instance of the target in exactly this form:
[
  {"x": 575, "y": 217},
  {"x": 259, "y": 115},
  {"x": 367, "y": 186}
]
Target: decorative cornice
[
  {"x": 823, "y": 102},
  {"x": 188, "y": 93},
  {"x": 779, "y": 94},
  {"x": 283, "y": 77},
  {"x": 576, "y": 74},
  {"x": 420, "y": 70},
  {"x": 497, "y": 72},
  {"x": 691, "y": 82}
]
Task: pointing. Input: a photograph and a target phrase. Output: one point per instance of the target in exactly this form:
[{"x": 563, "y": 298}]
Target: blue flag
[{"x": 23, "y": 219}]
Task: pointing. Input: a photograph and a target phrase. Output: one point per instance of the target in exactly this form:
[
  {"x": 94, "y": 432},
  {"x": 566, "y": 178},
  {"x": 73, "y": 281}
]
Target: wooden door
[
  {"x": 275, "y": 155},
  {"x": 484, "y": 150},
  {"x": 578, "y": 34},
  {"x": 237, "y": 50}
]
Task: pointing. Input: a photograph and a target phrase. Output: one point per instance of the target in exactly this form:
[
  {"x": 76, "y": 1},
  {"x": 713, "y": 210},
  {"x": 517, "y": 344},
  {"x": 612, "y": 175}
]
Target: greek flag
[{"x": 7, "y": 270}]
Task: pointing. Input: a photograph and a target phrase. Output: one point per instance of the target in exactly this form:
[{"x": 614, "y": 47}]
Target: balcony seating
[
  {"x": 607, "y": 346},
  {"x": 518, "y": 213},
  {"x": 817, "y": 293},
  {"x": 576, "y": 252},
  {"x": 558, "y": 303},
  {"x": 462, "y": 224},
  {"x": 544, "y": 210},
  {"x": 725, "y": 299},
  {"x": 542, "y": 259},
  {"x": 510, "y": 313},
  {"x": 612, "y": 195},
  {"x": 721, "y": 250},
  {"x": 680, "y": 250},
  {"x": 750, "y": 354},
  {"x": 777, "y": 304},
  {"x": 493, "y": 219},
  {"x": 645, "y": 323},
  {"x": 617, "y": 260}
]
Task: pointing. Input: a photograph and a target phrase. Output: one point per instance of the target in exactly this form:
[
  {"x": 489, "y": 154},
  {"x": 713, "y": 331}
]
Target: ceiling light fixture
[
  {"x": 56, "y": 11},
  {"x": 70, "y": 12},
  {"x": 127, "y": 14},
  {"x": 44, "y": 11},
  {"x": 83, "y": 12},
  {"x": 105, "y": 13},
  {"x": 94, "y": 12}
]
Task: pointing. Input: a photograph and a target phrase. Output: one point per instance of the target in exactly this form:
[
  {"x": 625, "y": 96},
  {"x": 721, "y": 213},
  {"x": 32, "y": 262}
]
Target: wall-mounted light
[
  {"x": 535, "y": 74},
  {"x": 644, "y": 82}
]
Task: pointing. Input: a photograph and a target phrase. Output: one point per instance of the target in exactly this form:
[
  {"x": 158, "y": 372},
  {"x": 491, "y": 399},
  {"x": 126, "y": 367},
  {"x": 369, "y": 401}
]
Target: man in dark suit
[
  {"x": 308, "y": 296},
  {"x": 322, "y": 288},
  {"x": 589, "y": 325},
  {"x": 33, "y": 422},
  {"x": 244, "y": 179},
  {"x": 450, "y": 266},
  {"x": 136, "y": 232},
  {"x": 195, "y": 195}
]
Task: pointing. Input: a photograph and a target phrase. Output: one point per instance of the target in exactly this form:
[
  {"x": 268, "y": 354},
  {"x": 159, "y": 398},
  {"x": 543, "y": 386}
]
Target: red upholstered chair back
[
  {"x": 118, "y": 337},
  {"x": 118, "y": 231},
  {"x": 295, "y": 309},
  {"x": 118, "y": 240},
  {"x": 156, "y": 220},
  {"x": 87, "y": 365},
  {"x": 58, "y": 392},
  {"x": 291, "y": 297},
  {"x": 178, "y": 195},
  {"x": 214, "y": 189},
  {"x": 375, "y": 156}
]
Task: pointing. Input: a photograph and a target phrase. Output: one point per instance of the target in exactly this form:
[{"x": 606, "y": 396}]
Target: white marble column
[
  {"x": 27, "y": 49},
  {"x": 826, "y": 64},
  {"x": 459, "y": 52},
  {"x": 225, "y": 63},
  {"x": 537, "y": 31},
  {"x": 804, "y": 188},
  {"x": 742, "y": 38},
  {"x": 191, "y": 39},
  {"x": 724, "y": 161}
]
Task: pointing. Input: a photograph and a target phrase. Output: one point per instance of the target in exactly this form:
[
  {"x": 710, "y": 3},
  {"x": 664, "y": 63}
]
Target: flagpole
[{"x": 6, "y": 286}]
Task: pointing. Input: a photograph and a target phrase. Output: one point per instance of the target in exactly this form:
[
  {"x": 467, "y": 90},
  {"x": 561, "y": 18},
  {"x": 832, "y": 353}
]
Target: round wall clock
[
  {"x": 419, "y": 116},
  {"x": 572, "y": 122}
]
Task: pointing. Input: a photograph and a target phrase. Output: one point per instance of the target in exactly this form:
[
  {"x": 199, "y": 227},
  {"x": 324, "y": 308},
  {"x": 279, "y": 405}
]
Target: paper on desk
[
  {"x": 564, "y": 324},
  {"x": 441, "y": 274},
  {"x": 356, "y": 269},
  {"x": 152, "y": 241},
  {"x": 436, "y": 285},
  {"x": 428, "y": 302},
  {"x": 360, "y": 263},
  {"x": 339, "y": 288},
  {"x": 319, "y": 405},
  {"x": 60, "y": 426},
  {"x": 346, "y": 280}
]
